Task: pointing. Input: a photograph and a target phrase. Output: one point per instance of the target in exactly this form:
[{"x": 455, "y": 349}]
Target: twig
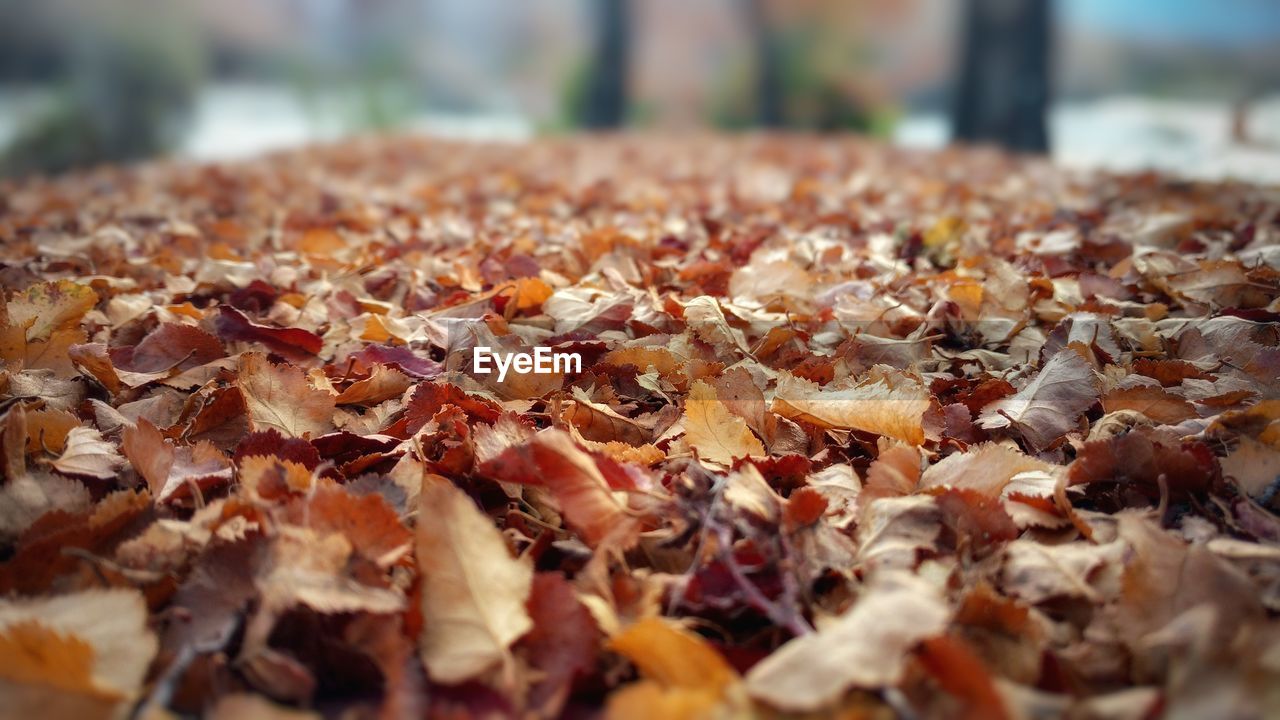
[{"x": 788, "y": 617}]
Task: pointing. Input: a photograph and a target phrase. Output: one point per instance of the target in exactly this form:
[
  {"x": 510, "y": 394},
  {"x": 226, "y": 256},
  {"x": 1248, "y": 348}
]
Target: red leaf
[{"x": 231, "y": 324}]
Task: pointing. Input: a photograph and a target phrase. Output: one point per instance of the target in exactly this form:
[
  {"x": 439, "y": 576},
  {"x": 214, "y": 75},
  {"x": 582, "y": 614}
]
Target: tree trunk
[
  {"x": 769, "y": 100},
  {"x": 1003, "y": 90},
  {"x": 606, "y": 96}
]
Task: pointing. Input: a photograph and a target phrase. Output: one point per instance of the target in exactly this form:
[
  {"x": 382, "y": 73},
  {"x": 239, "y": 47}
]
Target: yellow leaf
[
  {"x": 895, "y": 411},
  {"x": 74, "y": 655},
  {"x": 645, "y": 699},
  {"x": 33, "y": 654},
  {"x": 47, "y": 429},
  {"x": 268, "y": 474},
  {"x": 673, "y": 656},
  {"x": 647, "y": 454},
  {"x": 942, "y": 231},
  {"x": 529, "y": 293},
  {"x": 374, "y": 330},
  {"x": 473, "y": 591},
  {"x": 321, "y": 244},
  {"x": 383, "y": 383},
  {"x": 658, "y": 358},
  {"x": 717, "y": 434},
  {"x": 45, "y": 307}
]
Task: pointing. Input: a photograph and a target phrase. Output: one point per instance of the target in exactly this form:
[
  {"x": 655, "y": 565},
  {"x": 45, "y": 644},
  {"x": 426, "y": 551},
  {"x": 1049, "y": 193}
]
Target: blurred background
[{"x": 1187, "y": 86}]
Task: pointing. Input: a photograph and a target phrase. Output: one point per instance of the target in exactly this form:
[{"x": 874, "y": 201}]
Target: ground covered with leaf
[{"x": 858, "y": 432}]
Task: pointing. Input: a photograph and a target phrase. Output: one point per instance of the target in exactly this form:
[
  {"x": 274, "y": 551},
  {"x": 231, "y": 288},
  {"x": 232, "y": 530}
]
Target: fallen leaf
[
  {"x": 281, "y": 398},
  {"x": 172, "y": 471},
  {"x": 47, "y": 430},
  {"x": 27, "y": 497},
  {"x": 1152, "y": 468},
  {"x": 473, "y": 591},
  {"x": 88, "y": 455},
  {"x": 873, "y": 407},
  {"x": 717, "y": 434},
  {"x": 1254, "y": 467},
  {"x": 232, "y": 324},
  {"x": 865, "y": 647},
  {"x": 1048, "y": 406},
  {"x": 577, "y": 480},
  {"x": 1036, "y": 572},
  {"x": 562, "y": 645},
  {"x": 986, "y": 469},
  {"x": 72, "y": 652},
  {"x": 1155, "y": 403},
  {"x": 45, "y": 307},
  {"x": 384, "y": 382},
  {"x": 673, "y": 656}
]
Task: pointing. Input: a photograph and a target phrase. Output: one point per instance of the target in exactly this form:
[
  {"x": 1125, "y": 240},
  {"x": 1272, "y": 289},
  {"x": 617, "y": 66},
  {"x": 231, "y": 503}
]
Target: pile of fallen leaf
[{"x": 858, "y": 432}]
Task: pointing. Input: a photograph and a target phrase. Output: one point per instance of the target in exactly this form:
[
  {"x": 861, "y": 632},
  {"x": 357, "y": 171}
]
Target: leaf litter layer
[{"x": 858, "y": 431}]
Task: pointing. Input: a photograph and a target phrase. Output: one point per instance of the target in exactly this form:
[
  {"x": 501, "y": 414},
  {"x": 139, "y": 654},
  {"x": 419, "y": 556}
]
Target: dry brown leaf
[
  {"x": 383, "y": 383},
  {"x": 740, "y": 394},
  {"x": 765, "y": 281},
  {"x": 894, "y": 531},
  {"x": 1049, "y": 406},
  {"x": 986, "y": 469},
  {"x": 1156, "y": 403},
  {"x": 45, "y": 307},
  {"x": 708, "y": 322},
  {"x": 149, "y": 452},
  {"x": 24, "y": 499},
  {"x": 473, "y": 591},
  {"x": 600, "y": 423},
  {"x": 167, "y": 469},
  {"x": 894, "y": 473},
  {"x": 1036, "y": 572},
  {"x": 280, "y": 397},
  {"x": 717, "y": 434},
  {"x": 1254, "y": 466},
  {"x": 576, "y": 481},
  {"x": 54, "y": 353},
  {"x": 1165, "y": 578},
  {"x": 88, "y": 455},
  {"x": 1220, "y": 283},
  {"x": 47, "y": 430},
  {"x": 865, "y": 647},
  {"x": 873, "y": 407},
  {"x": 82, "y": 650},
  {"x": 269, "y": 476},
  {"x": 313, "y": 569}
]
